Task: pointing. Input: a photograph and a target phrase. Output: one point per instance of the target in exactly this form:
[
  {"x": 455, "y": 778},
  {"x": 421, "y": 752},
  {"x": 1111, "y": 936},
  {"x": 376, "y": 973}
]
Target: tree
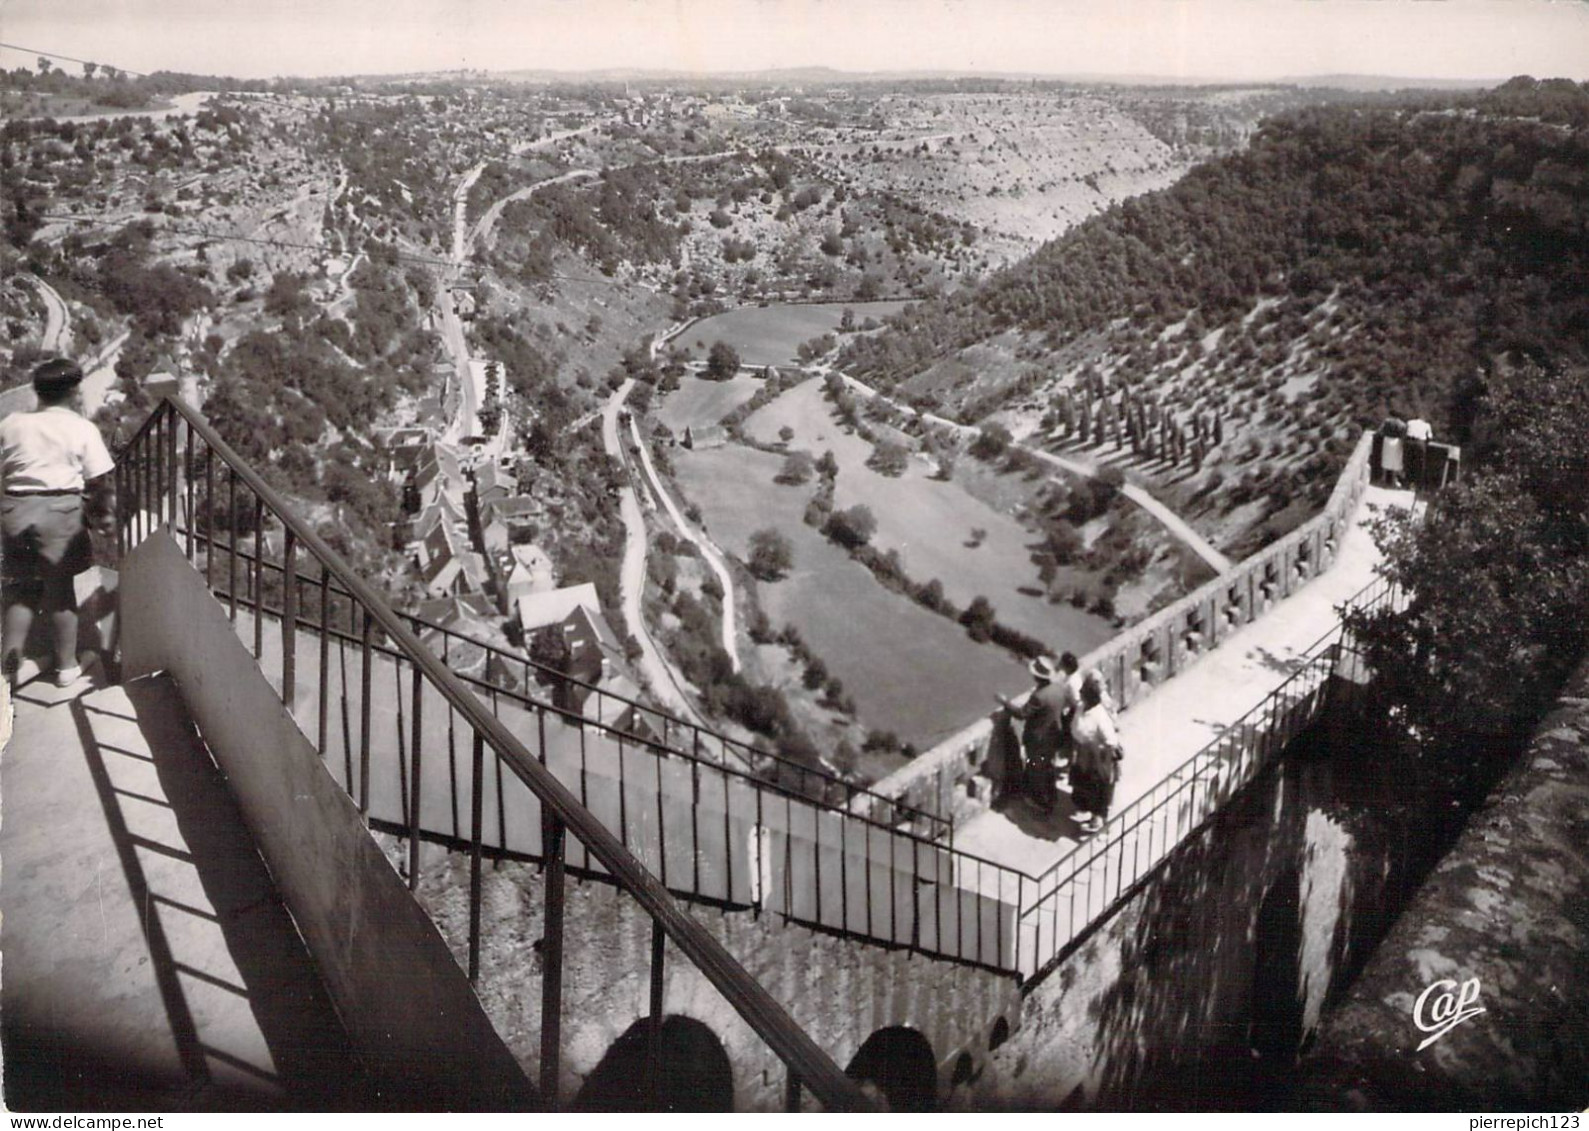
[
  {"x": 851, "y": 528},
  {"x": 1063, "y": 542},
  {"x": 549, "y": 648},
  {"x": 979, "y": 619},
  {"x": 991, "y": 442},
  {"x": 722, "y": 361},
  {"x": 1498, "y": 577},
  {"x": 771, "y": 554},
  {"x": 828, "y": 465},
  {"x": 796, "y": 469},
  {"x": 889, "y": 458}
]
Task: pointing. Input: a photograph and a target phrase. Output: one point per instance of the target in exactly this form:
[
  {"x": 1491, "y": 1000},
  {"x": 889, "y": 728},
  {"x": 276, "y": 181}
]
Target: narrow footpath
[{"x": 708, "y": 549}]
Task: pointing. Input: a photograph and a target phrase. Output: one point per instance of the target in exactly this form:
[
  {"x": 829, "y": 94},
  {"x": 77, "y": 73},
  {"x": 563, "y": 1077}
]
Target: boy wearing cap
[{"x": 55, "y": 474}]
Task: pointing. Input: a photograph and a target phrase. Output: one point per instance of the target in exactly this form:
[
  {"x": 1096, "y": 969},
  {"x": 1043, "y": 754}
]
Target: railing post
[
  {"x": 209, "y": 516},
  {"x": 654, "y": 1025},
  {"x": 231, "y": 556},
  {"x": 173, "y": 495},
  {"x": 323, "y": 682},
  {"x": 791, "y": 1092},
  {"x": 259, "y": 577},
  {"x": 476, "y": 811},
  {"x": 366, "y": 681},
  {"x": 552, "y": 958},
  {"x": 414, "y": 790},
  {"x": 289, "y": 620},
  {"x": 187, "y": 480}
]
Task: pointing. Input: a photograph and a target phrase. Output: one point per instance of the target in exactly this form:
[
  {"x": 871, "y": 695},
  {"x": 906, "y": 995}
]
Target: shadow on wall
[
  {"x": 693, "y": 1072},
  {"x": 236, "y": 1018},
  {"x": 1201, "y": 993}
]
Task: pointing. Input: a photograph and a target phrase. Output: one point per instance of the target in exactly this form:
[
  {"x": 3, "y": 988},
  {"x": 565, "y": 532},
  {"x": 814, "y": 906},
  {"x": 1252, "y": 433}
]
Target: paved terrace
[
  {"x": 1187, "y": 713},
  {"x": 149, "y": 963}
]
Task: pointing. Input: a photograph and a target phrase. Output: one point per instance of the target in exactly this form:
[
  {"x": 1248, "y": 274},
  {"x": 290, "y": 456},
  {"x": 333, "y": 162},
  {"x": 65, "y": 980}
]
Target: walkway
[
  {"x": 1191, "y": 710},
  {"x": 149, "y": 962}
]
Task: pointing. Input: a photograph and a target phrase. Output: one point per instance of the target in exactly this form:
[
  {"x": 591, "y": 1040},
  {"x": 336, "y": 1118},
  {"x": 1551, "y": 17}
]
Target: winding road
[
  {"x": 54, "y": 311},
  {"x": 709, "y": 550},
  {"x": 632, "y": 574}
]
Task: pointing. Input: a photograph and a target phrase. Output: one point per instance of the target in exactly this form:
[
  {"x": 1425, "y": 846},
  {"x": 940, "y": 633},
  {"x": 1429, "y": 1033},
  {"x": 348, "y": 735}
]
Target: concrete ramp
[{"x": 149, "y": 962}]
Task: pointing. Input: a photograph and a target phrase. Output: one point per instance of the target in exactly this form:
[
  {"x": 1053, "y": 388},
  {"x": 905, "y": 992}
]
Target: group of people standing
[{"x": 1067, "y": 726}]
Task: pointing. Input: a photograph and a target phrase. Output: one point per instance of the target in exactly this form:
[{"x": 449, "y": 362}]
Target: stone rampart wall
[{"x": 1162, "y": 646}]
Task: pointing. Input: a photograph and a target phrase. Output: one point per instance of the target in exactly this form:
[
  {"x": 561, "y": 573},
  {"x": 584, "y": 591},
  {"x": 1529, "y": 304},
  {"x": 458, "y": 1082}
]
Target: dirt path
[
  {"x": 55, "y": 315},
  {"x": 665, "y": 685},
  {"x": 1172, "y": 522},
  {"x": 482, "y": 229},
  {"x": 709, "y": 551}
]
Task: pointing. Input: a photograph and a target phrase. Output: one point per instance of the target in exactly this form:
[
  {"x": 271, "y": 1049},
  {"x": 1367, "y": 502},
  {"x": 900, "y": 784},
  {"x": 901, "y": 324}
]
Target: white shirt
[
  {"x": 1094, "y": 730},
  {"x": 53, "y": 449},
  {"x": 1419, "y": 430},
  {"x": 1072, "y": 691}
]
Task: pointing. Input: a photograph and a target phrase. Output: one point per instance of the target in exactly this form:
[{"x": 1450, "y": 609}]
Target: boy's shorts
[{"x": 45, "y": 537}]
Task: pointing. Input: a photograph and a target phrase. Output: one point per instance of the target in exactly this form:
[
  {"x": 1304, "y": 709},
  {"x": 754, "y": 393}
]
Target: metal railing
[
  {"x": 622, "y": 713},
  {"x": 704, "y": 830},
  {"x": 1083, "y": 886},
  {"x": 177, "y": 472}
]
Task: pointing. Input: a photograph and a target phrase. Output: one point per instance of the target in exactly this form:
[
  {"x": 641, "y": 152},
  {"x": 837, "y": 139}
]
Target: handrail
[
  {"x": 747, "y": 753},
  {"x": 812, "y": 1067},
  {"x": 978, "y": 892},
  {"x": 574, "y": 718}
]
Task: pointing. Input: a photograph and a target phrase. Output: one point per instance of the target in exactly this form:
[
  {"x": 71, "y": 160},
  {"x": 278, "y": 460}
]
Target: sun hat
[{"x": 1043, "y": 668}]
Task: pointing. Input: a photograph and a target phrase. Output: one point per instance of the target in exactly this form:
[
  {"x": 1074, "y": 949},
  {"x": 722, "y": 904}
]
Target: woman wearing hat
[
  {"x": 1042, "y": 737},
  {"x": 1096, "y": 765},
  {"x": 54, "y": 468}
]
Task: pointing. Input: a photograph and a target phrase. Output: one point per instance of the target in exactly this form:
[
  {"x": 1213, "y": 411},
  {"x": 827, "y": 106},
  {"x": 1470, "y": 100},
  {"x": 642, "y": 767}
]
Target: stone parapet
[{"x": 1159, "y": 647}]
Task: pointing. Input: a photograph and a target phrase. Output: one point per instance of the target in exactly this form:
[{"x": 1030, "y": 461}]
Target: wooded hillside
[{"x": 1354, "y": 261}]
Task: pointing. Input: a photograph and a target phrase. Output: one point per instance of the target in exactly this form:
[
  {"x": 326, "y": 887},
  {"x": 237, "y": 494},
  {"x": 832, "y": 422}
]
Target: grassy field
[
  {"x": 697, "y": 403},
  {"x": 930, "y": 521},
  {"x": 909, "y": 670},
  {"x": 771, "y": 335}
]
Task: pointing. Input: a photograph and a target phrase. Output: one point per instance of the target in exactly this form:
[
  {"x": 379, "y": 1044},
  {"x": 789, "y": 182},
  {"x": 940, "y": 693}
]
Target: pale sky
[{"x": 1207, "y": 39}]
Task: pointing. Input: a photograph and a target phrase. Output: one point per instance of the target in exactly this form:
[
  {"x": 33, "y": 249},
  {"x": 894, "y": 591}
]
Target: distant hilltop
[{"x": 830, "y": 76}]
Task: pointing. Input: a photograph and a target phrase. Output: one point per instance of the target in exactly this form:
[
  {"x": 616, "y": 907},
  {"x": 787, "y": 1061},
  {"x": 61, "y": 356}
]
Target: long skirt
[
  {"x": 1091, "y": 793},
  {"x": 1003, "y": 760}
]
